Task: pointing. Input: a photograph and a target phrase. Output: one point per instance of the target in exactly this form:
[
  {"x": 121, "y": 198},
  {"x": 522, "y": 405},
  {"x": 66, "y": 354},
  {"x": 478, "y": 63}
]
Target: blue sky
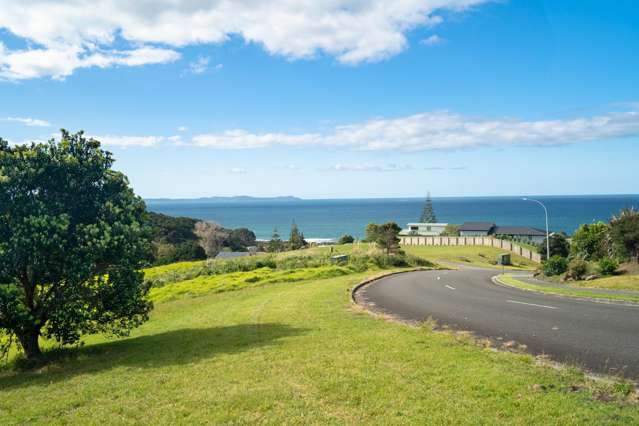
[{"x": 333, "y": 99}]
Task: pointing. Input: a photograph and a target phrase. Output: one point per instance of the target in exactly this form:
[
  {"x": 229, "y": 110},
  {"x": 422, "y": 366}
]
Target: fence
[{"x": 410, "y": 240}]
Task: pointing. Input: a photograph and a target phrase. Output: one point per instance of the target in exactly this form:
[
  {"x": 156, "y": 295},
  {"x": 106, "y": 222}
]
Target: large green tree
[
  {"x": 388, "y": 237},
  {"x": 72, "y": 242},
  {"x": 624, "y": 234}
]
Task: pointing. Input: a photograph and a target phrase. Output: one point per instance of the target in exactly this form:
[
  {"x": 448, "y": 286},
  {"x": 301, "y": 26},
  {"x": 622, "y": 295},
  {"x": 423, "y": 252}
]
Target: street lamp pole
[{"x": 547, "y": 234}]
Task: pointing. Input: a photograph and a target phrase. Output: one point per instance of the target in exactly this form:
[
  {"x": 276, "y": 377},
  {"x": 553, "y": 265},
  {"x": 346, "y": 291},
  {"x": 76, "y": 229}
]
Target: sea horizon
[{"x": 326, "y": 219}]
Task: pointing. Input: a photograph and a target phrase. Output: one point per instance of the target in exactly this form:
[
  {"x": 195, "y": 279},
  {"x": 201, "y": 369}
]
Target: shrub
[
  {"x": 608, "y": 266},
  {"x": 589, "y": 241},
  {"x": 577, "y": 269},
  {"x": 556, "y": 265},
  {"x": 346, "y": 239}
]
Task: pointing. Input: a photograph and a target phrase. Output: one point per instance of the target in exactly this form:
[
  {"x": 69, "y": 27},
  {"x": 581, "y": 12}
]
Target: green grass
[
  {"x": 616, "y": 282},
  {"x": 471, "y": 255},
  {"x": 239, "y": 280},
  {"x": 567, "y": 290},
  {"x": 298, "y": 354}
]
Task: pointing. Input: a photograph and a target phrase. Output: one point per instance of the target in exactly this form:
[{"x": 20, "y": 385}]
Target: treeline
[
  {"x": 177, "y": 239},
  {"x": 596, "y": 247}
]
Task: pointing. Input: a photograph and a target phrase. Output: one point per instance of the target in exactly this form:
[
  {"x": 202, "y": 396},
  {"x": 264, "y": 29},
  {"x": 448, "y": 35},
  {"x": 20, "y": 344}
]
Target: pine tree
[
  {"x": 428, "y": 214},
  {"x": 296, "y": 239},
  {"x": 275, "y": 244}
]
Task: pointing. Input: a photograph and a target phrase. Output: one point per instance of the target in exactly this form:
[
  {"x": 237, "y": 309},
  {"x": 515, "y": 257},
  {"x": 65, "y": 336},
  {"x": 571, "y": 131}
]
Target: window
[
  {"x": 428, "y": 228},
  {"x": 414, "y": 228}
]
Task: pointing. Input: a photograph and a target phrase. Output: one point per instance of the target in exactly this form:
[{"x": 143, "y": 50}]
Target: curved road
[{"x": 601, "y": 337}]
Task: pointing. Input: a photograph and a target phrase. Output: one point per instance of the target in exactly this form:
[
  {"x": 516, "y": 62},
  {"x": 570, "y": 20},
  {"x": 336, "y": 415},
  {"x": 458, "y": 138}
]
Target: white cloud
[
  {"x": 60, "y": 62},
  {"x": 439, "y": 130},
  {"x": 130, "y": 141},
  {"x": 182, "y": 129},
  {"x": 66, "y": 31},
  {"x": 433, "y": 40},
  {"x": 238, "y": 170},
  {"x": 27, "y": 121},
  {"x": 219, "y": 66},
  {"x": 200, "y": 65}
]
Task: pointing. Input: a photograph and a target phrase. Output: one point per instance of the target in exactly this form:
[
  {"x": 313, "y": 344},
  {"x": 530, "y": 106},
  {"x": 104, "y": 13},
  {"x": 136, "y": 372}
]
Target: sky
[{"x": 334, "y": 98}]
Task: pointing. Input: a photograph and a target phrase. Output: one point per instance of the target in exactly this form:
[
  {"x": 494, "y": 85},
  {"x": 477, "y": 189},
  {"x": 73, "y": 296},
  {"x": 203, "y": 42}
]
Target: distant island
[{"x": 224, "y": 200}]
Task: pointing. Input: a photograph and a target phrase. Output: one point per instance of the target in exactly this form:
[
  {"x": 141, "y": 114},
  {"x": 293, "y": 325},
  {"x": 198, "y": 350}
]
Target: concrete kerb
[{"x": 380, "y": 276}]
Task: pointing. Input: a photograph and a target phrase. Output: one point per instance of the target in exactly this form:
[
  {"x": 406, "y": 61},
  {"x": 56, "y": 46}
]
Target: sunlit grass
[{"x": 297, "y": 353}]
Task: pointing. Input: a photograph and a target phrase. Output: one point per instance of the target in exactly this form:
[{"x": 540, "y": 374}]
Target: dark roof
[
  {"x": 519, "y": 230},
  {"x": 232, "y": 254},
  {"x": 476, "y": 226}
]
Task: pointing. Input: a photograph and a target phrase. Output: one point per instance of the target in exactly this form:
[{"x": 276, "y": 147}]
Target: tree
[
  {"x": 72, "y": 242},
  {"x": 296, "y": 239},
  {"x": 241, "y": 238},
  {"x": 276, "y": 243},
  {"x": 212, "y": 237},
  {"x": 589, "y": 241},
  {"x": 387, "y": 238},
  {"x": 624, "y": 234},
  {"x": 559, "y": 245},
  {"x": 450, "y": 231},
  {"x": 372, "y": 232},
  {"x": 346, "y": 239},
  {"x": 428, "y": 214}
]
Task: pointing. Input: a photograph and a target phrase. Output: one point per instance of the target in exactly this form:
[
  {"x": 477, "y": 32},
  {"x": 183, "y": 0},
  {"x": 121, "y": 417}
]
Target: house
[
  {"x": 232, "y": 254},
  {"x": 424, "y": 229},
  {"x": 476, "y": 229},
  {"x": 520, "y": 233},
  {"x": 517, "y": 233}
]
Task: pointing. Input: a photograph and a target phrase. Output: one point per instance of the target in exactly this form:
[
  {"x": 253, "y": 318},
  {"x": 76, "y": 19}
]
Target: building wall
[{"x": 471, "y": 241}]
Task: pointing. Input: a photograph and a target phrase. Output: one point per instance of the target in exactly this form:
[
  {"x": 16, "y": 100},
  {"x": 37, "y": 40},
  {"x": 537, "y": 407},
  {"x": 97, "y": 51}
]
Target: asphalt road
[{"x": 600, "y": 337}]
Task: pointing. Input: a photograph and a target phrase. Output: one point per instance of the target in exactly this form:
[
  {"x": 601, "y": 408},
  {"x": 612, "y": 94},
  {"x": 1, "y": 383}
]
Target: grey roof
[
  {"x": 232, "y": 254},
  {"x": 476, "y": 226},
  {"x": 520, "y": 230}
]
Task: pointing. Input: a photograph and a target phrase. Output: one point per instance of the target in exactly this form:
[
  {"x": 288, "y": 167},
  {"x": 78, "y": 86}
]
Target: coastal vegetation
[{"x": 176, "y": 239}]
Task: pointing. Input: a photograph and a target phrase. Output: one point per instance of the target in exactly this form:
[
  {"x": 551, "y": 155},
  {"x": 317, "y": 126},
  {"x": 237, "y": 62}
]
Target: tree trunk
[{"x": 30, "y": 344}]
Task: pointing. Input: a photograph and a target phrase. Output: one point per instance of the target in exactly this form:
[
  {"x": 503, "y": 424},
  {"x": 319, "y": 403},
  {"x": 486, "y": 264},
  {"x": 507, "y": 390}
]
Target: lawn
[
  {"x": 298, "y": 353},
  {"x": 573, "y": 290},
  {"x": 470, "y": 255}
]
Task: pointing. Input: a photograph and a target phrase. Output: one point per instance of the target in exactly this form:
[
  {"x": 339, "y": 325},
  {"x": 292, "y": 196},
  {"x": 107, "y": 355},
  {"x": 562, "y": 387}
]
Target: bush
[
  {"x": 346, "y": 239},
  {"x": 559, "y": 245},
  {"x": 577, "y": 269},
  {"x": 608, "y": 266},
  {"x": 556, "y": 265}
]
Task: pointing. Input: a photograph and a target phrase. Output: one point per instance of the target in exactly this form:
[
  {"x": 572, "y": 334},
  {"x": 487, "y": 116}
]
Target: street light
[{"x": 547, "y": 236}]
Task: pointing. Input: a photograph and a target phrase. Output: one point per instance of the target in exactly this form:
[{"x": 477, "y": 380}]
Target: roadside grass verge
[
  {"x": 615, "y": 282},
  {"x": 299, "y": 354},
  {"x": 566, "y": 290},
  {"x": 471, "y": 255}
]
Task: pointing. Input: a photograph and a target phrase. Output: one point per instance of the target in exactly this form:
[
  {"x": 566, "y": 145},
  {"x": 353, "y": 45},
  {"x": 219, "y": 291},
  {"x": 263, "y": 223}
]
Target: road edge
[{"x": 497, "y": 281}]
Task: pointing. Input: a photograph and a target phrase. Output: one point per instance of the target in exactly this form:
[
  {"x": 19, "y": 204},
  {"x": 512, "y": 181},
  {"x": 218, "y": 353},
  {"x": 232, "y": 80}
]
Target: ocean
[{"x": 328, "y": 219}]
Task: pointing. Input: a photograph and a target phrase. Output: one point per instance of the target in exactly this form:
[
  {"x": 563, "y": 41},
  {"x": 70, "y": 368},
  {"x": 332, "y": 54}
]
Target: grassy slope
[
  {"x": 568, "y": 290},
  {"x": 617, "y": 282},
  {"x": 472, "y": 255},
  {"x": 294, "y": 353}
]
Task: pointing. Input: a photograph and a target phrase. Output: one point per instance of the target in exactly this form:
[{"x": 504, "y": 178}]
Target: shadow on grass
[{"x": 177, "y": 347}]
